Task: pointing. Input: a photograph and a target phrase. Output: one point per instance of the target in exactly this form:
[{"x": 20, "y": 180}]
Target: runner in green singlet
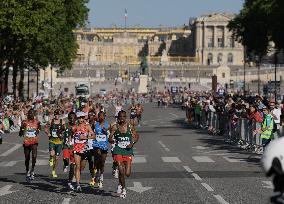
[{"x": 124, "y": 136}]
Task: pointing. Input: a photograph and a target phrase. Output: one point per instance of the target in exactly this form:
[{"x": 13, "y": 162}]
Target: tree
[{"x": 36, "y": 33}]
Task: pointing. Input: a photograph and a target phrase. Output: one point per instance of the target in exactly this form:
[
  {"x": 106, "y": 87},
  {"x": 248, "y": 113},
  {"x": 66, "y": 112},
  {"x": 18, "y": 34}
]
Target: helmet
[{"x": 273, "y": 158}]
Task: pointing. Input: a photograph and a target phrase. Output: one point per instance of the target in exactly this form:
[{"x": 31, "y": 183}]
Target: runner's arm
[
  {"x": 92, "y": 134},
  {"x": 112, "y": 131}
]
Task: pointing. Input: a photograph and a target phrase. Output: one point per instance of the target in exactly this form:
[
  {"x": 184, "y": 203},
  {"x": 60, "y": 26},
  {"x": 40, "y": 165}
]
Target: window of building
[
  {"x": 220, "y": 42},
  {"x": 210, "y": 42},
  {"x": 223, "y": 75},
  {"x": 230, "y": 58},
  {"x": 210, "y": 59},
  {"x": 231, "y": 42},
  {"x": 219, "y": 58}
]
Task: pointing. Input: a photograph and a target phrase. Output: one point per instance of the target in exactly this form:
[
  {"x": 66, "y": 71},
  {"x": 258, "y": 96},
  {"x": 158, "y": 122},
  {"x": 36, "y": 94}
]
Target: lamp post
[
  {"x": 51, "y": 81},
  {"x": 257, "y": 61},
  {"x": 88, "y": 68}
]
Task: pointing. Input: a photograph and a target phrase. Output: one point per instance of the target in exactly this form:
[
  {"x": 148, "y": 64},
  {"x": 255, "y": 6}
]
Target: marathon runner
[
  {"x": 100, "y": 145},
  {"x": 82, "y": 132},
  {"x": 30, "y": 131},
  {"x": 55, "y": 133},
  {"x": 124, "y": 136},
  {"x": 133, "y": 113},
  {"x": 68, "y": 155},
  {"x": 139, "y": 110},
  {"x": 118, "y": 108}
]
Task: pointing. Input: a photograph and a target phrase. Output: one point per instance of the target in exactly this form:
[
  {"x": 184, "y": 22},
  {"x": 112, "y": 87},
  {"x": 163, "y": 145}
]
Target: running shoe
[
  {"x": 100, "y": 184},
  {"x": 92, "y": 182},
  {"x": 28, "y": 177},
  {"x": 79, "y": 189},
  {"x": 32, "y": 177},
  {"x": 119, "y": 189},
  {"x": 71, "y": 187},
  {"x": 116, "y": 173},
  {"x": 51, "y": 162},
  {"x": 123, "y": 193},
  {"x": 54, "y": 175}
]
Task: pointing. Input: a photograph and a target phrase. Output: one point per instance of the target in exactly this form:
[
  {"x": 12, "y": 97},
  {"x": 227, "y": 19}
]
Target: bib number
[
  {"x": 101, "y": 138},
  {"x": 31, "y": 133},
  {"x": 123, "y": 144},
  {"x": 54, "y": 133}
]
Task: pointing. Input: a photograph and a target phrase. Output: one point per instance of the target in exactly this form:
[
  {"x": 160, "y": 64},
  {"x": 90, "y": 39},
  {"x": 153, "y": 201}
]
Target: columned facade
[{"x": 214, "y": 42}]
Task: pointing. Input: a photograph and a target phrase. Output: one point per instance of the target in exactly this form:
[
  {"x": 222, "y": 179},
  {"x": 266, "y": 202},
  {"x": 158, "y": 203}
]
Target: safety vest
[{"x": 267, "y": 134}]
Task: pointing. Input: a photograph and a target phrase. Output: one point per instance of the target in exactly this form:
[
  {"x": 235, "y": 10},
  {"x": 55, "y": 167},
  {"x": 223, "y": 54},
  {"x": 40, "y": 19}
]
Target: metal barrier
[{"x": 242, "y": 132}]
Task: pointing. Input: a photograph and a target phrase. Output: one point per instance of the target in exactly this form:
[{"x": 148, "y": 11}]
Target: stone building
[
  {"x": 213, "y": 43},
  {"x": 128, "y": 46}
]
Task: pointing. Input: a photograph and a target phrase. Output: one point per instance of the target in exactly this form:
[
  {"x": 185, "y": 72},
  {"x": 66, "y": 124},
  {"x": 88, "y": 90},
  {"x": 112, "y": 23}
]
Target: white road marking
[
  {"x": 42, "y": 162},
  {"x": 167, "y": 149},
  {"x": 174, "y": 115},
  {"x": 161, "y": 143},
  {"x": 66, "y": 200},
  {"x": 234, "y": 160},
  {"x": 202, "y": 159},
  {"x": 6, "y": 190},
  {"x": 171, "y": 159},
  {"x": 267, "y": 184},
  {"x": 139, "y": 188},
  {"x": 11, "y": 163},
  {"x": 220, "y": 199},
  {"x": 139, "y": 160},
  {"x": 187, "y": 169},
  {"x": 200, "y": 147},
  {"x": 207, "y": 187},
  {"x": 196, "y": 177},
  {"x": 17, "y": 146}
]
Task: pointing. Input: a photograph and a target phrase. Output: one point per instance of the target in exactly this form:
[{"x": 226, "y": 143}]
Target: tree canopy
[
  {"x": 38, "y": 33},
  {"x": 259, "y": 23}
]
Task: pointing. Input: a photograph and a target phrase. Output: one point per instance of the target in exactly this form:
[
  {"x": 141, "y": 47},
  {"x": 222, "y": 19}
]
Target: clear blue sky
[{"x": 152, "y": 13}]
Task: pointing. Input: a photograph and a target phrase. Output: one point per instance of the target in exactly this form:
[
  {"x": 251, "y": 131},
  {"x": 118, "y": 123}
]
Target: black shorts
[
  {"x": 133, "y": 116},
  {"x": 84, "y": 155},
  {"x": 103, "y": 151}
]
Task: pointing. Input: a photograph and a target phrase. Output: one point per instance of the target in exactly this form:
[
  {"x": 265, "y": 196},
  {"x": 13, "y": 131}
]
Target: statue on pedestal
[{"x": 144, "y": 66}]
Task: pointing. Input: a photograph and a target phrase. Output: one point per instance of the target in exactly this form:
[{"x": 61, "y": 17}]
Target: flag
[{"x": 125, "y": 13}]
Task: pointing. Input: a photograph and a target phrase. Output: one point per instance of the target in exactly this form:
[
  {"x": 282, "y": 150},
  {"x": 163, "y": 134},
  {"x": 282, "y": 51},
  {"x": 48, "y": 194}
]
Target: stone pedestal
[{"x": 143, "y": 82}]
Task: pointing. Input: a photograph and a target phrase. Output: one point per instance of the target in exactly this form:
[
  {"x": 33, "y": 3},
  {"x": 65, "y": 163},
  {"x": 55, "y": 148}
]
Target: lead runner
[{"x": 124, "y": 136}]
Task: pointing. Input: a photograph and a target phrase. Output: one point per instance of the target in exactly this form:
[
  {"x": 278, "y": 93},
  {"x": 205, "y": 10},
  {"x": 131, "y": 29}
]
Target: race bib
[
  {"x": 101, "y": 138},
  {"x": 31, "y": 133},
  {"x": 54, "y": 133},
  {"x": 123, "y": 144}
]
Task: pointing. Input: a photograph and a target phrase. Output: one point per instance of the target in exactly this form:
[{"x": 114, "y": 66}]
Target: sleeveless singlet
[
  {"x": 102, "y": 134},
  {"x": 55, "y": 131},
  {"x": 80, "y": 145},
  {"x": 30, "y": 133},
  {"x": 122, "y": 140}
]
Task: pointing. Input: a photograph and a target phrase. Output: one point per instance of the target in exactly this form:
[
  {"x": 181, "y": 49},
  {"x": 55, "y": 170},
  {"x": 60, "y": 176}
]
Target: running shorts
[
  {"x": 56, "y": 147},
  {"x": 68, "y": 154},
  {"x": 122, "y": 158}
]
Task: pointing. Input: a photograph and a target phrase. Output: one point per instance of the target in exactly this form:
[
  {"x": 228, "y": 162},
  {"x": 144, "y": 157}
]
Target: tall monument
[{"x": 143, "y": 78}]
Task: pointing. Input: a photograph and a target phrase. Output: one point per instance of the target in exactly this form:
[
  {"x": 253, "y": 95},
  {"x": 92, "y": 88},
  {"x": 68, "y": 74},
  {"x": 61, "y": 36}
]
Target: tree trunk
[
  {"x": 15, "y": 73},
  {"x": 6, "y": 80},
  {"x": 21, "y": 84}
]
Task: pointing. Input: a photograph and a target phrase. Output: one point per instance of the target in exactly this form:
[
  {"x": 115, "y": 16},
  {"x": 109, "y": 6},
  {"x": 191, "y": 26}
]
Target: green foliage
[
  {"x": 258, "y": 23},
  {"x": 36, "y": 33}
]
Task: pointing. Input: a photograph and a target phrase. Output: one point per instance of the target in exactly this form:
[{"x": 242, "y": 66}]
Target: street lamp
[{"x": 257, "y": 61}]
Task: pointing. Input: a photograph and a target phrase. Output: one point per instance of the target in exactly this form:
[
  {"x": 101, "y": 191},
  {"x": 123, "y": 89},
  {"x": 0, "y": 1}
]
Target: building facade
[
  {"x": 129, "y": 46},
  {"x": 213, "y": 43}
]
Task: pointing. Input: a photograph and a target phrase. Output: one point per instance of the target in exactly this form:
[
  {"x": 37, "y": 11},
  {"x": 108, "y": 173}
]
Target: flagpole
[{"x": 125, "y": 18}]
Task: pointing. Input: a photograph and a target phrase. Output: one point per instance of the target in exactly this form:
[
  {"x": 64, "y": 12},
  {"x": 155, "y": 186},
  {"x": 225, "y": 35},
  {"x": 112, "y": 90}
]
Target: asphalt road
[{"x": 173, "y": 163}]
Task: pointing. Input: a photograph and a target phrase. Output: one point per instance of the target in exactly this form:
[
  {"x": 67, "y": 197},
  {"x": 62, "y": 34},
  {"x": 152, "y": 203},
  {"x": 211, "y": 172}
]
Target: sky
[{"x": 155, "y": 13}]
